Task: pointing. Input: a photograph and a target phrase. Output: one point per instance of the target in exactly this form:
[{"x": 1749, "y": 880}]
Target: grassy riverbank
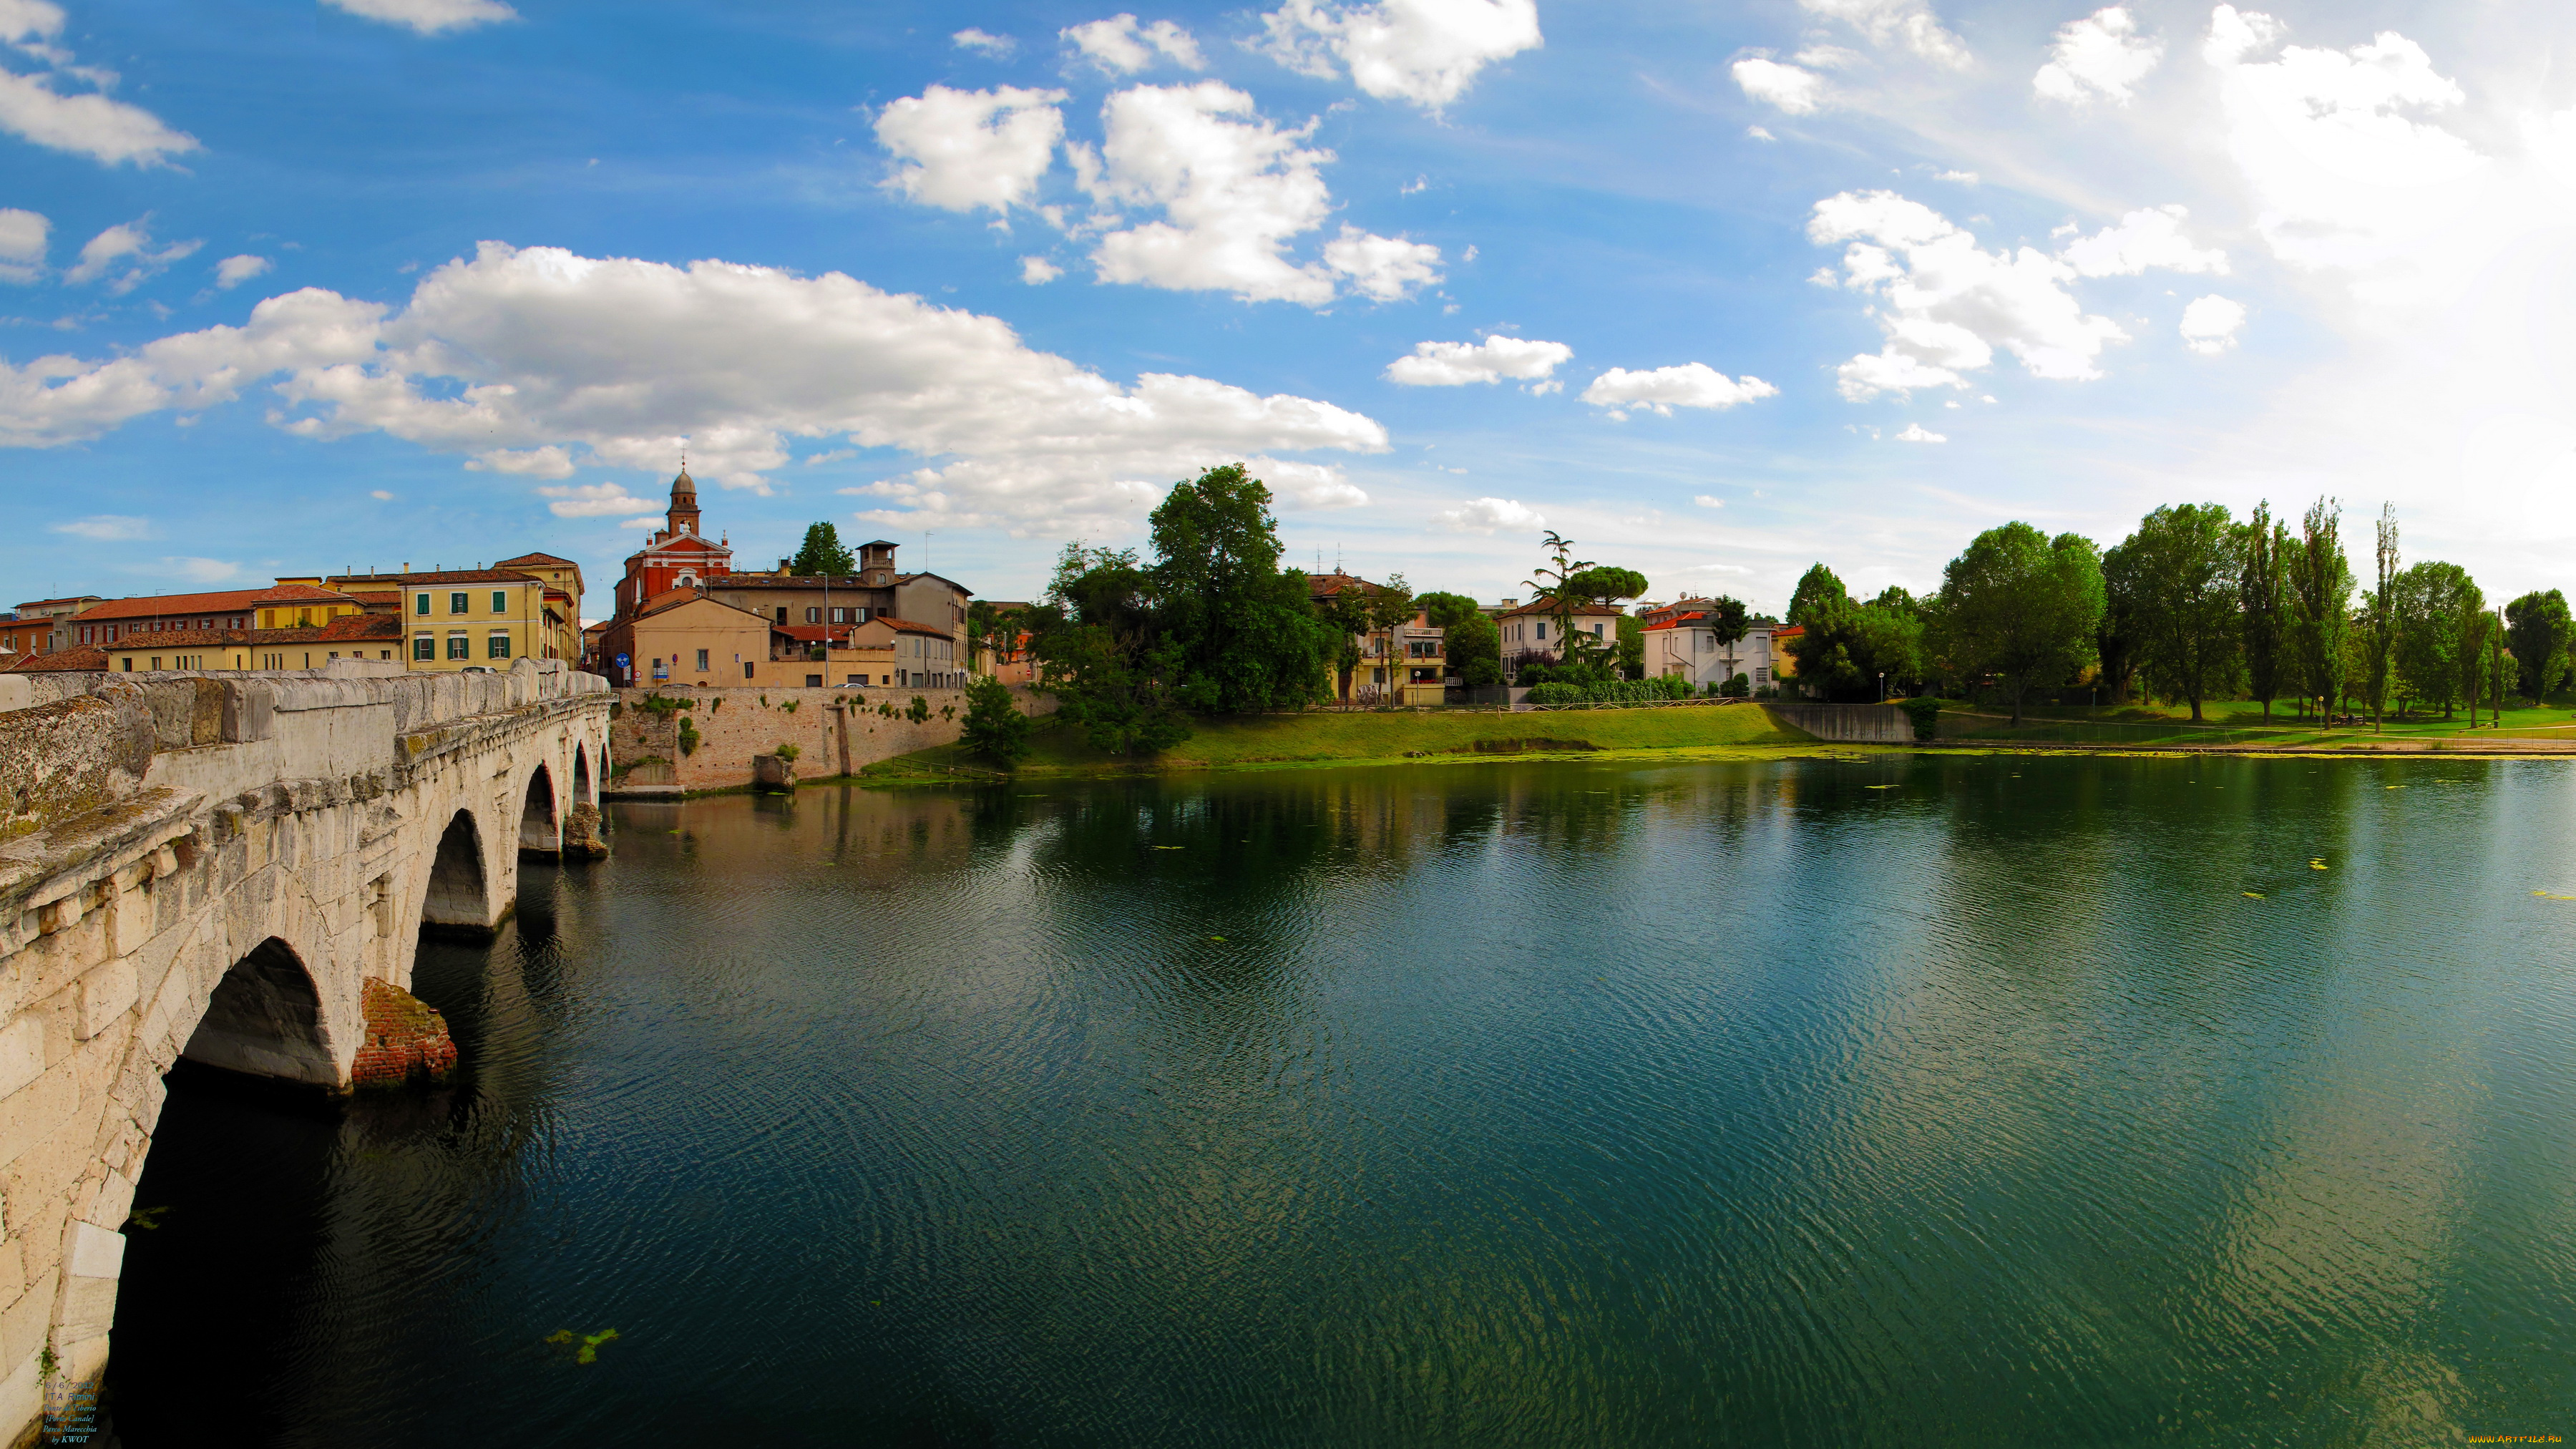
[
  {"x": 2236, "y": 725},
  {"x": 1337, "y": 738}
]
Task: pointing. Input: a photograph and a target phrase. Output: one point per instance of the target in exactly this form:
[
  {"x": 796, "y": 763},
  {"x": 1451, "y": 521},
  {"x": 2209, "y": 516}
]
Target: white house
[{"x": 1686, "y": 645}]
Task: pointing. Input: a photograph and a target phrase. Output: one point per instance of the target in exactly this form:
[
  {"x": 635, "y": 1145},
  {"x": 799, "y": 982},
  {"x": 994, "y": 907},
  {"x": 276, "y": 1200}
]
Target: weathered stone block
[
  {"x": 105, "y": 994},
  {"x": 22, "y": 1054}
]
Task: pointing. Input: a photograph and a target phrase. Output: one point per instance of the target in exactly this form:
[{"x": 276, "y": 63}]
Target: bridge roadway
[{"x": 234, "y": 869}]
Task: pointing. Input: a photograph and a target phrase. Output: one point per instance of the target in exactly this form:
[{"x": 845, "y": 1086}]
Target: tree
[
  {"x": 1555, "y": 588},
  {"x": 1606, "y": 585},
  {"x": 1445, "y": 610},
  {"x": 2177, "y": 579},
  {"x": 2382, "y": 615},
  {"x": 1632, "y": 647},
  {"x": 2263, "y": 602},
  {"x": 2319, "y": 589},
  {"x": 994, "y": 728},
  {"x": 1476, "y": 651},
  {"x": 2117, "y": 643},
  {"x": 2536, "y": 629},
  {"x": 1816, "y": 586},
  {"x": 993, "y": 631},
  {"x": 822, "y": 553},
  {"x": 1098, "y": 652},
  {"x": 2431, "y": 601},
  {"x": 1238, "y": 632},
  {"x": 2469, "y": 627},
  {"x": 1848, "y": 647},
  {"x": 2022, "y": 606}
]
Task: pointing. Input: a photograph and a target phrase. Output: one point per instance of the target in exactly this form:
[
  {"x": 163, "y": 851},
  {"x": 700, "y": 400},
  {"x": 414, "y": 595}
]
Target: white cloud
[
  {"x": 618, "y": 362},
  {"x": 430, "y": 17},
  {"x": 200, "y": 570},
  {"x": 641, "y": 523},
  {"x": 1964, "y": 178},
  {"x": 960, "y": 150},
  {"x": 1917, "y": 433},
  {"x": 23, "y": 237},
  {"x": 2101, "y": 56},
  {"x": 231, "y": 272},
  {"x": 1484, "y": 515},
  {"x": 1233, "y": 193},
  {"x": 1691, "y": 385},
  {"x": 1907, "y": 23},
  {"x": 1456, "y": 364},
  {"x": 546, "y": 462},
  {"x": 381, "y": 496},
  {"x": 1795, "y": 91},
  {"x": 2209, "y": 324},
  {"x": 2344, "y": 172},
  {"x": 2148, "y": 238},
  {"x": 1119, "y": 46},
  {"x": 1424, "y": 51},
  {"x": 127, "y": 250},
  {"x": 1706, "y": 501},
  {"x": 1948, "y": 304},
  {"x": 107, "y": 527},
  {"x": 1038, "y": 271},
  {"x": 1382, "y": 268},
  {"x": 1760, "y": 133},
  {"x": 85, "y": 123},
  {"x": 997, "y": 46},
  {"x": 595, "y": 500}
]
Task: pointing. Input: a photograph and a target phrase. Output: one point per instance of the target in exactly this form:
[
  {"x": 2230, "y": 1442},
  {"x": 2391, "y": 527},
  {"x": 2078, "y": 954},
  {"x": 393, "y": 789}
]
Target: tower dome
[{"x": 684, "y": 502}]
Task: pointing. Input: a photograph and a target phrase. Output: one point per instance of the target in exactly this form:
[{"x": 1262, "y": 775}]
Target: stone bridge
[{"x": 233, "y": 869}]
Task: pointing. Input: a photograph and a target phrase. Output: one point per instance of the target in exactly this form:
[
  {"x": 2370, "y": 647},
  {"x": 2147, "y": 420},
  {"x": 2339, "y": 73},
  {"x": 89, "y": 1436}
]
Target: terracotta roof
[
  {"x": 85, "y": 656},
  {"x": 347, "y": 628},
  {"x": 907, "y": 626},
  {"x": 542, "y": 560},
  {"x": 784, "y": 581},
  {"x": 373, "y": 583},
  {"x": 153, "y": 606},
  {"x": 1548, "y": 607},
  {"x": 68, "y": 599},
  {"x": 599, "y": 628},
  {"x": 685, "y": 594},
  {"x": 1324, "y": 586}
]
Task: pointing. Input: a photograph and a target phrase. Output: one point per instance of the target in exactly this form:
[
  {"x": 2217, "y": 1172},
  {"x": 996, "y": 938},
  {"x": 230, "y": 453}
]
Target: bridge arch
[
  {"x": 459, "y": 894},
  {"x": 540, "y": 824},
  {"x": 265, "y": 1018},
  {"x": 584, "y": 792}
]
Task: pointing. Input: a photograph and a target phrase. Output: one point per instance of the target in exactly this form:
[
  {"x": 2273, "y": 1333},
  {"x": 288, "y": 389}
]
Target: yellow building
[
  {"x": 467, "y": 618},
  {"x": 347, "y": 635}
]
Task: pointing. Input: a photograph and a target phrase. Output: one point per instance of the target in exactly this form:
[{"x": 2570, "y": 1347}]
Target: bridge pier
[{"x": 234, "y": 869}]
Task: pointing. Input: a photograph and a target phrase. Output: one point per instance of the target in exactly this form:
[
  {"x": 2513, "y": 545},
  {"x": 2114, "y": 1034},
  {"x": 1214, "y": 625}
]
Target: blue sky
[{"x": 1719, "y": 290}]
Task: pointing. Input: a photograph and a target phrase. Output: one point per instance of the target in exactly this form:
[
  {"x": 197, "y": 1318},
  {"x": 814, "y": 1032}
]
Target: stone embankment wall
[
  {"x": 233, "y": 868},
  {"x": 1856, "y": 724},
  {"x": 834, "y": 734}
]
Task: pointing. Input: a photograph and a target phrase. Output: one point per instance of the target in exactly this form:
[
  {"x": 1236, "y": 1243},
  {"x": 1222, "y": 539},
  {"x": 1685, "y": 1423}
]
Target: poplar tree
[
  {"x": 2431, "y": 601},
  {"x": 2176, "y": 578},
  {"x": 2320, "y": 596},
  {"x": 2260, "y": 595},
  {"x": 2383, "y": 619}
]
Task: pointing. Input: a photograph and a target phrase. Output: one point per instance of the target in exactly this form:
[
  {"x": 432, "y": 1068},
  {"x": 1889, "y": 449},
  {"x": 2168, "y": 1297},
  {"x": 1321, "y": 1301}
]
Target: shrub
[
  {"x": 1738, "y": 687},
  {"x": 919, "y": 711},
  {"x": 688, "y": 737},
  {"x": 1926, "y": 714},
  {"x": 994, "y": 729},
  {"x": 788, "y": 753},
  {"x": 1556, "y": 694}
]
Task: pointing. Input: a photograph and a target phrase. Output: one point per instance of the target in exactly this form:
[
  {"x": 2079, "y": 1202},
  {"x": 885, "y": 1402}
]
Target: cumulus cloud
[
  {"x": 1947, "y": 304},
  {"x": 1485, "y": 515},
  {"x": 997, "y": 46},
  {"x": 1909, "y": 24},
  {"x": 126, "y": 250},
  {"x": 2209, "y": 324},
  {"x": 1705, "y": 500},
  {"x": 1119, "y": 46},
  {"x": 23, "y": 237},
  {"x": 1234, "y": 191},
  {"x": 2100, "y": 57},
  {"x": 1456, "y": 364},
  {"x": 231, "y": 272},
  {"x": 2339, "y": 149},
  {"x": 549, "y": 461},
  {"x": 200, "y": 570},
  {"x": 1423, "y": 51},
  {"x": 107, "y": 527},
  {"x": 1917, "y": 433},
  {"x": 961, "y": 150},
  {"x": 618, "y": 363},
  {"x": 1793, "y": 90},
  {"x": 87, "y": 122},
  {"x": 430, "y": 17},
  {"x": 596, "y": 500},
  {"x": 2147, "y": 238},
  {"x": 1038, "y": 271},
  {"x": 1691, "y": 385}
]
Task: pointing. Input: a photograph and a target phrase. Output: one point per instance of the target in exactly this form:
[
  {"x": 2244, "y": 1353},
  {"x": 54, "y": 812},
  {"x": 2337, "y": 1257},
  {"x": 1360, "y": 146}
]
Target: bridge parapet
[{"x": 216, "y": 866}]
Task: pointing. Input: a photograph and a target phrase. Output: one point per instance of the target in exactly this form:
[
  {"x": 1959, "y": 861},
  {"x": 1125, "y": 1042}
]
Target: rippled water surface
[{"x": 1904, "y": 1101}]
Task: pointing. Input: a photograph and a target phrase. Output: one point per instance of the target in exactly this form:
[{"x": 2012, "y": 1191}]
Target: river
[{"x": 1920, "y": 1100}]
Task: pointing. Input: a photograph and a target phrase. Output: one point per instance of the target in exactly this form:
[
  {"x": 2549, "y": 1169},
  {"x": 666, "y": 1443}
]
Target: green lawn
[
  {"x": 1338, "y": 737},
  {"x": 2244, "y": 720}
]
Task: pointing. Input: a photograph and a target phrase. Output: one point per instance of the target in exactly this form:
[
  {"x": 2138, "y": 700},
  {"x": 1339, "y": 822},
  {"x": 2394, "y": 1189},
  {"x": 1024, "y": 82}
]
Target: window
[
  {"x": 782, "y": 613},
  {"x": 497, "y": 647},
  {"x": 458, "y": 603},
  {"x": 500, "y": 601},
  {"x": 156, "y": 663},
  {"x": 813, "y": 616},
  {"x": 858, "y": 679},
  {"x": 129, "y": 663},
  {"x": 459, "y": 647},
  {"x": 1542, "y": 631},
  {"x": 1596, "y": 631},
  {"x": 813, "y": 681},
  {"x": 746, "y": 669},
  {"x": 424, "y": 647},
  {"x": 384, "y": 654},
  {"x": 702, "y": 659}
]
